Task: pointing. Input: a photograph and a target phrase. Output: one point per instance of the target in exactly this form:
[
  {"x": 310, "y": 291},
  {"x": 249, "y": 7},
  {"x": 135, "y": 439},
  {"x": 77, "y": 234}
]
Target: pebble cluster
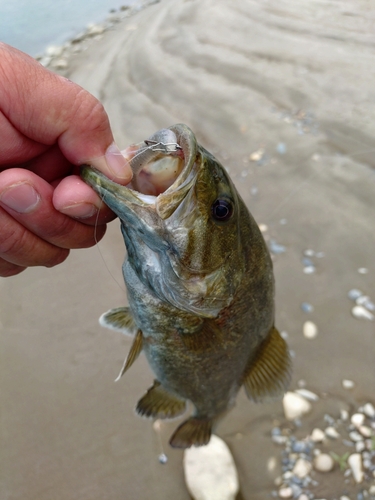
[
  {"x": 364, "y": 307},
  {"x": 345, "y": 443}
]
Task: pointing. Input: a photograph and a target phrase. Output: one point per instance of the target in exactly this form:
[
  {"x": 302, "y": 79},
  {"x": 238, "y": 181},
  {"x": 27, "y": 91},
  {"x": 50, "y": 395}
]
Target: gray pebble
[
  {"x": 354, "y": 294},
  {"x": 276, "y": 248},
  {"x": 163, "y": 459},
  {"x": 306, "y": 307}
]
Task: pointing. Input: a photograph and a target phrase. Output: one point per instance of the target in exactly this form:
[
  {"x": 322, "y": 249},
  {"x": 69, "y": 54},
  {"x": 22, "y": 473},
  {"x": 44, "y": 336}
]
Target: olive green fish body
[{"x": 200, "y": 285}]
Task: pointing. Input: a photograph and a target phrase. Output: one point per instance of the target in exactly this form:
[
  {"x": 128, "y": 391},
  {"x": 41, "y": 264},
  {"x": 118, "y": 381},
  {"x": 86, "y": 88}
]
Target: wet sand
[{"x": 294, "y": 85}]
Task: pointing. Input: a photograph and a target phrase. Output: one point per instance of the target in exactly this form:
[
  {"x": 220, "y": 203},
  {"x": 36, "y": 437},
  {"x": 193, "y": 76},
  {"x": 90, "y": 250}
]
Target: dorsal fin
[
  {"x": 268, "y": 374},
  {"x": 119, "y": 319},
  {"x": 134, "y": 352}
]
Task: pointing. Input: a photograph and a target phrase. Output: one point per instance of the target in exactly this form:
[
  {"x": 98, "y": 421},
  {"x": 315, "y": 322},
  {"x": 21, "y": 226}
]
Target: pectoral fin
[
  {"x": 119, "y": 319},
  {"x": 159, "y": 403},
  {"x": 134, "y": 352},
  {"x": 268, "y": 374},
  {"x": 192, "y": 432}
]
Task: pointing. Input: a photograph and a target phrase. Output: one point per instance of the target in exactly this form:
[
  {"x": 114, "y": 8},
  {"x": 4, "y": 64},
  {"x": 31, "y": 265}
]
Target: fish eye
[{"x": 222, "y": 210}]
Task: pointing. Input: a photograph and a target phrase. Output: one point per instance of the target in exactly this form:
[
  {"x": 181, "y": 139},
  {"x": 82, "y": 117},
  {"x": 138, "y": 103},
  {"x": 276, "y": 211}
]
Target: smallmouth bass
[{"x": 200, "y": 285}]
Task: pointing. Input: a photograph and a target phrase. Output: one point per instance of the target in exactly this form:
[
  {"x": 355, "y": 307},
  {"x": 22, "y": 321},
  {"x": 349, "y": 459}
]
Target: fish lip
[{"x": 166, "y": 202}]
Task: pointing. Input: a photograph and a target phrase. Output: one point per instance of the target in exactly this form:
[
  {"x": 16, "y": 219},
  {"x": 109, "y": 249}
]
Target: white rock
[
  {"x": 324, "y": 462},
  {"x": 355, "y": 464},
  {"x": 302, "y": 468},
  {"x": 317, "y": 435},
  {"x": 311, "y": 396},
  {"x": 362, "y": 313},
  {"x": 360, "y": 446},
  {"x": 54, "y": 51},
  {"x": 310, "y": 330},
  {"x": 372, "y": 490},
  {"x": 332, "y": 433},
  {"x": 295, "y": 405},
  {"x": 309, "y": 269},
  {"x": 303, "y": 497},
  {"x": 344, "y": 497},
  {"x": 365, "y": 431},
  {"x": 344, "y": 415},
  {"x": 285, "y": 492},
  {"x": 363, "y": 270},
  {"x": 210, "y": 471},
  {"x": 60, "y": 63},
  {"x": 348, "y": 384},
  {"x": 357, "y": 419},
  {"x": 369, "y": 410}
]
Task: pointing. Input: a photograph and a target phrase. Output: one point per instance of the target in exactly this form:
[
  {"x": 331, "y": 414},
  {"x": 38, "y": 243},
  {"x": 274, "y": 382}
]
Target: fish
[{"x": 200, "y": 285}]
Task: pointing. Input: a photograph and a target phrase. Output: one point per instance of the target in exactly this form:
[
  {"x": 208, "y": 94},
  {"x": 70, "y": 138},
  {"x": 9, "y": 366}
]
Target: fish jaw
[{"x": 135, "y": 210}]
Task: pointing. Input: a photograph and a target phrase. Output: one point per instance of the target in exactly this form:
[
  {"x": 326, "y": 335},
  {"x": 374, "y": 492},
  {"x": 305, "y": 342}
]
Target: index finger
[{"x": 48, "y": 109}]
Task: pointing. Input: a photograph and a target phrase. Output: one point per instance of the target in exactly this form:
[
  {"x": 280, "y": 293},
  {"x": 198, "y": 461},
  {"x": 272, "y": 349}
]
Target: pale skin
[{"x": 48, "y": 127}]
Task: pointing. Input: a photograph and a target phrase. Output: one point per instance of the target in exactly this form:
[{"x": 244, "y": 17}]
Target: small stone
[
  {"x": 344, "y": 497},
  {"x": 163, "y": 459},
  {"x": 317, "y": 435},
  {"x": 357, "y": 419},
  {"x": 354, "y": 294},
  {"x": 365, "y": 431},
  {"x": 355, "y": 464},
  {"x": 285, "y": 492},
  {"x": 283, "y": 222},
  {"x": 295, "y": 405},
  {"x": 369, "y": 410},
  {"x": 281, "y": 148},
  {"x": 344, "y": 415},
  {"x": 210, "y": 471},
  {"x": 363, "y": 270},
  {"x": 324, "y": 462},
  {"x": 360, "y": 446},
  {"x": 306, "y": 307},
  {"x": 263, "y": 228},
  {"x": 257, "y": 155},
  {"x": 372, "y": 490},
  {"x": 303, "y": 497},
  {"x": 348, "y": 384},
  {"x": 366, "y": 302},
  {"x": 310, "y": 330},
  {"x": 309, "y": 395},
  {"x": 254, "y": 190},
  {"x": 279, "y": 439},
  {"x": 302, "y": 468},
  {"x": 54, "y": 51},
  {"x": 361, "y": 312},
  {"x": 276, "y": 248},
  {"x": 309, "y": 269},
  {"x": 284, "y": 335},
  {"x": 60, "y": 64},
  {"x": 355, "y": 436},
  {"x": 309, "y": 252},
  {"x": 332, "y": 433}
]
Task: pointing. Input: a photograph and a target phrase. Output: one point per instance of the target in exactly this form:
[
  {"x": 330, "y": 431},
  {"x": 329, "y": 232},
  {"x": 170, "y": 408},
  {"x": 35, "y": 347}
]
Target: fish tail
[{"x": 193, "y": 432}]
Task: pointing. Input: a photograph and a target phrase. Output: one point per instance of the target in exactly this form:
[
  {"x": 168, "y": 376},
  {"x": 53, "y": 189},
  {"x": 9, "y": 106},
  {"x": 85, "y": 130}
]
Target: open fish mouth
[{"x": 164, "y": 169}]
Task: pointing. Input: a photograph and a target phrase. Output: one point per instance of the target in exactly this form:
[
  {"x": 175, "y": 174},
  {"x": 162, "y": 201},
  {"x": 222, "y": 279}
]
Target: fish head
[{"x": 181, "y": 220}]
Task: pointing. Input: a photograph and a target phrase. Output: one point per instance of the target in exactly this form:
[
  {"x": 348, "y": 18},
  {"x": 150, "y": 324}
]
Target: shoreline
[{"x": 57, "y": 56}]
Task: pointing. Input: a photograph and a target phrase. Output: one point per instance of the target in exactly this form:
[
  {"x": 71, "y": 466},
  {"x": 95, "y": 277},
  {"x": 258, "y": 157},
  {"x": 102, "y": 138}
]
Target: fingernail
[
  {"x": 21, "y": 198},
  {"x": 79, "y": 210},
  {"x": 117, "y": 164}
]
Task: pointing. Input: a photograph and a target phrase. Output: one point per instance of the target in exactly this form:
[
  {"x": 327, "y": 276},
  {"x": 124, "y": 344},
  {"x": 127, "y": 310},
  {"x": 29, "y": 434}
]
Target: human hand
[{"x": 48, "y": 127}]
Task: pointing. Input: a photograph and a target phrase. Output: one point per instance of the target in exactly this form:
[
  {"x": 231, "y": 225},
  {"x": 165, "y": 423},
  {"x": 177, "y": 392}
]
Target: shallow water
[{"x": 31, "y": 26}]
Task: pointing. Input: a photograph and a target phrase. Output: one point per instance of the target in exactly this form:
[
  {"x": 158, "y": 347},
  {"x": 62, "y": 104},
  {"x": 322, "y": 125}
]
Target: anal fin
[
  {"x": 119, "y": 319},
  {"x": 269, "y": 373},
  {"x": 193, "y": 432},
  {"x": 160, "y": 403},
  {"x": 134, "y": 352}
]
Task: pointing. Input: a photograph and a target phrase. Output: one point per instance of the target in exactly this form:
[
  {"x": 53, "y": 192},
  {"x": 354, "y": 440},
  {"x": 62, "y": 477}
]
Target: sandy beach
[{"x": 284, "y": 96}]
